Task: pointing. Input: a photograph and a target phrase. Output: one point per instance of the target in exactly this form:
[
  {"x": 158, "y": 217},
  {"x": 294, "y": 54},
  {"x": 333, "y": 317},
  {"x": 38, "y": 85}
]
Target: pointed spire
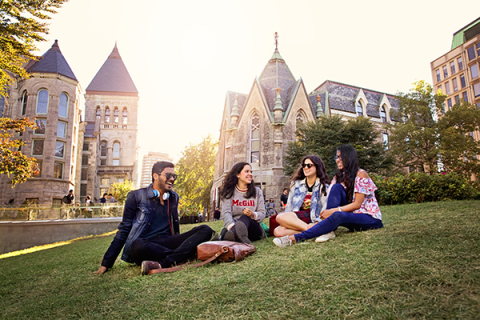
[
  {"x": 235, "y": 107},
  {"x": 52, "y": 61},
  {"x": 319, "y": 107},
  {"x": 55, "y": 47},
  {"x": 115, "y": 54},
  {"x": 278, "y": 102}
]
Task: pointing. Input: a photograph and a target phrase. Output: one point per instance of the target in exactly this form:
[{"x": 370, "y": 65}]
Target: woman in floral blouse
[{"x": 351, "y": 202}]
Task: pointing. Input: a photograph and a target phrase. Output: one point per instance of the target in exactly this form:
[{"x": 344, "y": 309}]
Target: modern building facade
[
  {"x": 457, "y": 73},
  {"x": 148, "y": 161},
  {"x": 256, "y": 127},
  {"x": 51, "y": 95}
]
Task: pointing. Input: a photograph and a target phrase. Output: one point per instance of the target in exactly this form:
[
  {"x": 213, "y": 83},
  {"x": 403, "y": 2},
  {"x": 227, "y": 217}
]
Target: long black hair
[
  {"x": 347, "y": 175},
  {"x": 321, "y": 173},
  {"x": 231, "y": 180}
]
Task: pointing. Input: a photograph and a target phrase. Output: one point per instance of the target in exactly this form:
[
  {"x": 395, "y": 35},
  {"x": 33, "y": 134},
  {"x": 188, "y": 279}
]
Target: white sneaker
[
  {"x": 326, "y": 237},
  {"x": 282, "y": 242}
]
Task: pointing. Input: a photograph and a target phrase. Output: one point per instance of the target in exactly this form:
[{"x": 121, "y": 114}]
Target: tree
[
  {"x": 22, "y": 23},
  {"x": 324, "y": 136},
  {"x": 458, "y": 149},
  {"x": 195, "y": 174},
  {"x": 120, "y": 190},
  {"x": 12, "y": 161},
  {"x": 421, "y": 141},
  {"x": 415, "y": 141}
]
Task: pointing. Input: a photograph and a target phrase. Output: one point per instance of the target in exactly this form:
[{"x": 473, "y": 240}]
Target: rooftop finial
[{"x": 276, "y": 41}]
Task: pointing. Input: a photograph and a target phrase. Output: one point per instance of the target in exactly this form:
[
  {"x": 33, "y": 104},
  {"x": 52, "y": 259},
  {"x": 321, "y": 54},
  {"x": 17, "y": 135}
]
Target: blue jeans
[{"x": 350, "y": 220}]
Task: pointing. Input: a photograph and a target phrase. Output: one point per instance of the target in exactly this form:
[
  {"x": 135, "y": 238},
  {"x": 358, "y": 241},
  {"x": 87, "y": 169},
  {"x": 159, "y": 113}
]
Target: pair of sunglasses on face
[
  {"x": 169, "y": 175},
  {"x": 307, "y": 165}
]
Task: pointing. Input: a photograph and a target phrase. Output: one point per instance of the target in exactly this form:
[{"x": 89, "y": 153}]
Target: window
[
  {"x": 125, "y": 116},
  {"x": 103, "y": 190},
  {"x": 2, "y": 105},
  {"x": 474, "y": 71},
  {"x": 471, "y": 53},
  {"x": 452, "y": 67},
  {"x": 465, "y": 96},
  {"x": 116, "y": 154},
  {"x": 42, "y": 101},
  {"x": 449, "y": 102},
  {"x": 457, "y": 99},
  {"x": 121, "y": 180},
  {"x": 107, "y": 114},
  {"x": 39, "y": 166},
  {"x": 103, "y": 149},
  {"x": 105, "y": 182},
  {"x": 255, "y": 139},
  {"x": 383, "y": 115},
  {"x": 115, "y": 115},
  {"x": 385, "y": 140},
  {"x": 476, "y": 90},
  {"x": 445, "y": 72},
  {"x": 85, "y": 160},
  {"x": 58, "y": 170},
  {"x": 116, "y": 162},
  {"x": 41, "y": 125},
  {"x": 462, "y": 81},
  {"x": 447, "y": 87},
  {"x": 37, "y": 148},
  {"x": 455, "y": 84},
  {"x": 85, "y": 146},
  {"x": 460, "y": 64},
  {"x": 358, "y": 106},
  {"x": 24, "y": 102},
  {"x": 103, "y": 162},
  {"x": 63, "y": 105},
  {"x": 478, "y": 49},
  {"x": 83, "y": 190},
  {"x": 438, "y": 75},
  {"x": 61, "y": 129},
  {"x": 99, "y": 113},
  {"x": 84, "y": 174},
  {"x": 59, "y": 149}
]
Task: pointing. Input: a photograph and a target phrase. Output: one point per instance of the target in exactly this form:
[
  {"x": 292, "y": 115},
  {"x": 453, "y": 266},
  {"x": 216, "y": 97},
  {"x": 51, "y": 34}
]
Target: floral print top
[{"x": 370, "y": 203}]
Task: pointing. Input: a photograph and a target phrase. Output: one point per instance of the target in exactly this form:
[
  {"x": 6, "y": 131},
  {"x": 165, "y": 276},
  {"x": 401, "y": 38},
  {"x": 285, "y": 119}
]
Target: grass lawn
[{"x": 425, "y": 263}]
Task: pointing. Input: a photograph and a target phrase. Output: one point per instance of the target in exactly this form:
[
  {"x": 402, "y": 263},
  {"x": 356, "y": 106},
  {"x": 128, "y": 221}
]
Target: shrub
[{"x": 420, "y": 187}]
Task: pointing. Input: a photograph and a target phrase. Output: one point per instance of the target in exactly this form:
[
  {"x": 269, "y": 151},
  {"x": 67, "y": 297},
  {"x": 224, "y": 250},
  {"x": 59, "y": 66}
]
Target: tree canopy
[
  {"x": 195, "y": 174},
  {"x": 120, "y": 190},
  {"x": 22, "y": 23},
  {"x": 13, "y": 162},
  {"x": 324, "y": 136}
]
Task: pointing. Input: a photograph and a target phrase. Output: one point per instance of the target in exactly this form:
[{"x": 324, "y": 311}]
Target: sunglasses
[
  {"x": 169, "y": 175},
  {"x": 307, "y": 165}
]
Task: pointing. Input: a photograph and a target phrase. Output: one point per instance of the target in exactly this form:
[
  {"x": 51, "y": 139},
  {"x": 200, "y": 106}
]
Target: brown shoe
[{"x": 149, "y": 265}]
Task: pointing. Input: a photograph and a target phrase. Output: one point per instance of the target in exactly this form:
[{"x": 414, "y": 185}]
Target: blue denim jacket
[
  {"x": 297, "y": 194},
  {"x": 138, "y": 213}
]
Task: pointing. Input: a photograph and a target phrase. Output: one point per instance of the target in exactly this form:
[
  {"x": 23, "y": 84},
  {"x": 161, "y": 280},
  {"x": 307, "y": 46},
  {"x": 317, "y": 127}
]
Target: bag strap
[{"x": 185, "y": 265}]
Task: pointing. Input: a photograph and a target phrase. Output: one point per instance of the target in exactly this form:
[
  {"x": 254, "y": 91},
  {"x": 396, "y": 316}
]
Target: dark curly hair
[
  {"x": 350, "y": 168},
  {"x": 321, "y": 173},
  {"x": 231, "y": 180}
]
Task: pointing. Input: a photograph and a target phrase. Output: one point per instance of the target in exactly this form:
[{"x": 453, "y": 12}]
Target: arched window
[
  {"x": 103, "y": 153},
  {"x": 24, "y": 102},
  {"x": 42, "y": 101},
  {"x": 255, "y": 139},
  {"x": 116, "y": 154},
  {"x": 359, "y": 107},
  {"x": 300, "y": 119},
  {"x": 385, "y": 140},
  {"x": 115, "y": 115},
  {"x": 383, "y": 115},
  {"x": 63, "y": 105},
  {"x": 125, "y": 115},
  {"x": 99, "y": 113},
  {"x": 107, "y": 114}
]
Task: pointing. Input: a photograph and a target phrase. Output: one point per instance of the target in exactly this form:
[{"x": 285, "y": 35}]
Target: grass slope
[{"x": 423, "y": 264}]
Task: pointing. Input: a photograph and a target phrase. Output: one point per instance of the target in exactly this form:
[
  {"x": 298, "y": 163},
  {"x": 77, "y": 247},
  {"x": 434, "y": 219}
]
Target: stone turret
[{"x": 234, "y": 116}]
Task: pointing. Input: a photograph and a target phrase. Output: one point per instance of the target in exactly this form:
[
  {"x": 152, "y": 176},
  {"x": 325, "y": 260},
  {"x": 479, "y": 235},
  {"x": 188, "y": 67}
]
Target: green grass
[{"x": 425, "y": 263}]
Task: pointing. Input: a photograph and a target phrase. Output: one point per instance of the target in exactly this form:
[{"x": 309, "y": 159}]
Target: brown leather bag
[{"x": 210, "y": 251}]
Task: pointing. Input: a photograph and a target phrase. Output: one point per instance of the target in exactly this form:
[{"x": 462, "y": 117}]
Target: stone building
[
  {"x": 51, "y": 95},
  {"x": 148, "y": 161},
  {"x": 256, "y": 127},
  {"x": 109, "y": 144}
]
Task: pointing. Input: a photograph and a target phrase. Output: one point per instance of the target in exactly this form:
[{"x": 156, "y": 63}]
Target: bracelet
[{"x": 339, "y": 208}]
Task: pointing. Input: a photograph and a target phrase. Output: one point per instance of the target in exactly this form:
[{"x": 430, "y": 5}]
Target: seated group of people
[{"x": 315, "y": 208}]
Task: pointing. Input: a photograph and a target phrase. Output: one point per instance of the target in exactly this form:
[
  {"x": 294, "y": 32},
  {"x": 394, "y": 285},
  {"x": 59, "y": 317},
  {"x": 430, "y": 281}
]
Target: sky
[{"x": 184, "y": 56}]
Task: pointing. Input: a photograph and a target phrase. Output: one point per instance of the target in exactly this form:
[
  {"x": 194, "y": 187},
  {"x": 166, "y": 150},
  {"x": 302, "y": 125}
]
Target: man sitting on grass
[{"x": 149, "y": 231}]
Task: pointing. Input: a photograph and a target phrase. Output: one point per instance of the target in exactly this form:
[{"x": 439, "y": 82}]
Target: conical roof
[
  {"x": 276, "y": 74},
  {"x": 113, "y": 76},
  {"x": 52, "y": 61}
]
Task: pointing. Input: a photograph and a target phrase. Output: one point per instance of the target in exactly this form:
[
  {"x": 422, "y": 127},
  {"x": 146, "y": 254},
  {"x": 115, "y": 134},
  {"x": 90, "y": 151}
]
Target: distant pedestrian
[
  {"x": 103, "y": 199},
  {"x": 284, "y": 198},
  {"x": 111, "y": 199},
  {"x": 68, "y": 199}
]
